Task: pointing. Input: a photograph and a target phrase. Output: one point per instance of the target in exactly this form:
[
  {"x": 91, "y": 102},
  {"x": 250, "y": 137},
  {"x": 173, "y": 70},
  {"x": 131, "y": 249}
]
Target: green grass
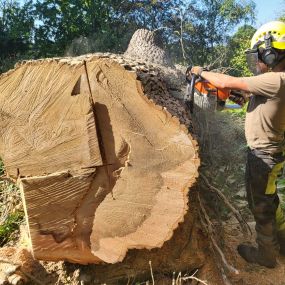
[
  {"x": 10, "y": 225},
  {"x": 238, "y": 112},
  {"x": 1, "y": 167}
]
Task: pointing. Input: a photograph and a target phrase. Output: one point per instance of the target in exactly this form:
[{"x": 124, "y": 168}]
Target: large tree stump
[
  {"x": 103, "y": 164},
  {"x": 147, "y": 46}
]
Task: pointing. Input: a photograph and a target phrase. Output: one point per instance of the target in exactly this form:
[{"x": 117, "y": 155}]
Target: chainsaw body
[{"x": 206, "y": 89}]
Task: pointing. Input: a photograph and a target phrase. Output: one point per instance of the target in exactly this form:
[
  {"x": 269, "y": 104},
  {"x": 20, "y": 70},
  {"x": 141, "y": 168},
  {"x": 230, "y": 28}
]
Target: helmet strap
[{"x": 268, "y": 41}]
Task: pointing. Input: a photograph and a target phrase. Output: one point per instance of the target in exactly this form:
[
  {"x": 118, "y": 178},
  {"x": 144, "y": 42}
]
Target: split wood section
[{"x": 102, "y": 169}]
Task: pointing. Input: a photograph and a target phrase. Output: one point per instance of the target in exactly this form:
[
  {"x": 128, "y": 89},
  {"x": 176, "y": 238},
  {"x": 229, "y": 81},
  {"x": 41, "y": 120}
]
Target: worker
[{"x": 264, "y": 131}]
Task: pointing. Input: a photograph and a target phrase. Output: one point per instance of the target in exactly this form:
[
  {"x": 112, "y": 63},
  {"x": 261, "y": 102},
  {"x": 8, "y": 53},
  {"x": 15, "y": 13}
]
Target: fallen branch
[
  {"x": 194, "y": 278},
  {"x": 208, "y": 227},
  {"x": 179, "y": 279},
  {"x": 18, "y": 268},
  {"x": 151, "y": 272},
  {"x": 245, "y": 227}
]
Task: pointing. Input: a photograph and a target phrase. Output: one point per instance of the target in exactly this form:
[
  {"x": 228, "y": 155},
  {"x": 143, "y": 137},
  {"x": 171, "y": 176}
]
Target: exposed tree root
[
  {"x": 207, "y": 225},
  {"x": 244, "y": 226}
]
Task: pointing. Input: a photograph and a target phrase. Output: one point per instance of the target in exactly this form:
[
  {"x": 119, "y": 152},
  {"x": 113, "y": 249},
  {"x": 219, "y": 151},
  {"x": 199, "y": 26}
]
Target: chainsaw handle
[
  {"x": 188, "y": 72},
  {"x": 194, "y": 77}
]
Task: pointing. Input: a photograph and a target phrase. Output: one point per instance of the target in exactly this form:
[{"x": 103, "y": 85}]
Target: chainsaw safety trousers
[{"x": 262, "y": 170}]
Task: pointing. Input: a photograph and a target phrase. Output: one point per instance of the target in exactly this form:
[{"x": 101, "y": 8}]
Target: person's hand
[
  {"x": 238, "y": 97},
  {"x": 197, "y": 70}
]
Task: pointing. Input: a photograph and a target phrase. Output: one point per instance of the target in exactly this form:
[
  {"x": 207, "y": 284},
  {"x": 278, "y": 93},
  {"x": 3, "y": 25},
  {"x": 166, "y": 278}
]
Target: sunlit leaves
[
  {"x": 46, "y": 28},
  {"x": 237, "y": 46}
]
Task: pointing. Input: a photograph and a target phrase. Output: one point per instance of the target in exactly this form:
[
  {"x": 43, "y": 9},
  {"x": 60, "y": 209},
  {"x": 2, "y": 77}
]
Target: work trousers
[{"x": 262, "y": 170}]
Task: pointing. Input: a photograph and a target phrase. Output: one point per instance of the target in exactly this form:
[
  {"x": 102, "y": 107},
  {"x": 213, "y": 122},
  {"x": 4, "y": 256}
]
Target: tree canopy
[{"x": 205, "y": 32}]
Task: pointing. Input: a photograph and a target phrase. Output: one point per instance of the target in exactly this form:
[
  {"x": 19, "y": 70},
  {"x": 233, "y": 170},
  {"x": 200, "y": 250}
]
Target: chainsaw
[{"x": 206, "y": 89}]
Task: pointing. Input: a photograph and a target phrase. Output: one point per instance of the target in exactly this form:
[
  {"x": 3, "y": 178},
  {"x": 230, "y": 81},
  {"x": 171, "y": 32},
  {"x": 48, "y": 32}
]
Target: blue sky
[{"x": 268, "y": 10}]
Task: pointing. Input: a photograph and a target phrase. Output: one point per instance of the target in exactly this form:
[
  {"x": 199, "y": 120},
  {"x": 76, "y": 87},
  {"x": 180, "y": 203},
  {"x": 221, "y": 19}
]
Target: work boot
[{"x": 257, "y": 255}]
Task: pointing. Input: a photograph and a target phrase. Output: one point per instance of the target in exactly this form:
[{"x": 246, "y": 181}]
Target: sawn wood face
[{"x": 102, "y": 169}]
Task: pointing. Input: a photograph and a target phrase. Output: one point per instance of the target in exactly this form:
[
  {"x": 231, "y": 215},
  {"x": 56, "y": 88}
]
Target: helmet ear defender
[
  {"x": 268, "y": 44},
  {"x": 269, "y": 55}
]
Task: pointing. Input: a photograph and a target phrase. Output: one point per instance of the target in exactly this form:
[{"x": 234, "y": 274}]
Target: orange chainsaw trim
[{"x": 206, "y": 88}]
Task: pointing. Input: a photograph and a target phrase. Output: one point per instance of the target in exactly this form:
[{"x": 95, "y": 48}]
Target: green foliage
[
  {"x": 10, "y": 225},
  {"x": 208, "y": 25},
  {"x": 63, "y": 21},
  {"x": 237, "y": 46},
  {"x": 239, "y": 42},
  {"x": 16, "y": 32},
  {"x": 241, "y": 112},
  {"x": 96, "y": 25},
  {"x": 10, "y": 214},
  {"x": 47, "y": 28},
  {"x": 1, "y": 167}
]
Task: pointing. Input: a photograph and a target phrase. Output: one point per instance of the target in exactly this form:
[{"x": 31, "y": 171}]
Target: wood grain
[{"x": 103, "y": 168}]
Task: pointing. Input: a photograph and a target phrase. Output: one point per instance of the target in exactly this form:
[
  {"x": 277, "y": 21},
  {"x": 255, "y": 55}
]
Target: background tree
[
  {"x": 236, "y": 47},
  {"x": 16, "y": 32},
  {"x": 208, "y": 25},
  {"x": 47, "y": 28},
  {"x": 63, "y": 21}
]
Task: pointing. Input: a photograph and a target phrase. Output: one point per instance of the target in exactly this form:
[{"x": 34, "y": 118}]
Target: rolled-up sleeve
[{"x": 267, "y": 84}]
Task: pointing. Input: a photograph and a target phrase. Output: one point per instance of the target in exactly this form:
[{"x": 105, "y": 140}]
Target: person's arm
[
  {"x": 221, "y": 80},
  {"x": 225, "y": 81},
  {"x": 267, "y": 84}
]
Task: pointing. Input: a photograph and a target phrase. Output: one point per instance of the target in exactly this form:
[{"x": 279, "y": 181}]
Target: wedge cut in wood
[{"x": 102, "y": 165}]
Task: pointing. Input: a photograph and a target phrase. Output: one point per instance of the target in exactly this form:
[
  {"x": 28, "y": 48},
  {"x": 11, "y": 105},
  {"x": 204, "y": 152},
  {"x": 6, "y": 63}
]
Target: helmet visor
[{"x": 252, "y": 61}]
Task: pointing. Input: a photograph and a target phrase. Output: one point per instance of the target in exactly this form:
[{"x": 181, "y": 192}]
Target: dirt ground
[
  {"x": 251, "y": 274},
  {"x": 61, "y": 273}
]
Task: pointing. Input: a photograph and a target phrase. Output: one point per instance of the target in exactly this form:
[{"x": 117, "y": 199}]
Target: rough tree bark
[{"x": 147, "y": 46}]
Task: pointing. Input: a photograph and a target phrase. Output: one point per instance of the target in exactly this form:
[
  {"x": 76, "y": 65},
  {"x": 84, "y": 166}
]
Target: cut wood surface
[{"x": 103, "y": 164}]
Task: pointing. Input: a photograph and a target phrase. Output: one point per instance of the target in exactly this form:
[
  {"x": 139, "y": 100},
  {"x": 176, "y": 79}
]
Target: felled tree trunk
[{"x": 101, "y": 153}]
